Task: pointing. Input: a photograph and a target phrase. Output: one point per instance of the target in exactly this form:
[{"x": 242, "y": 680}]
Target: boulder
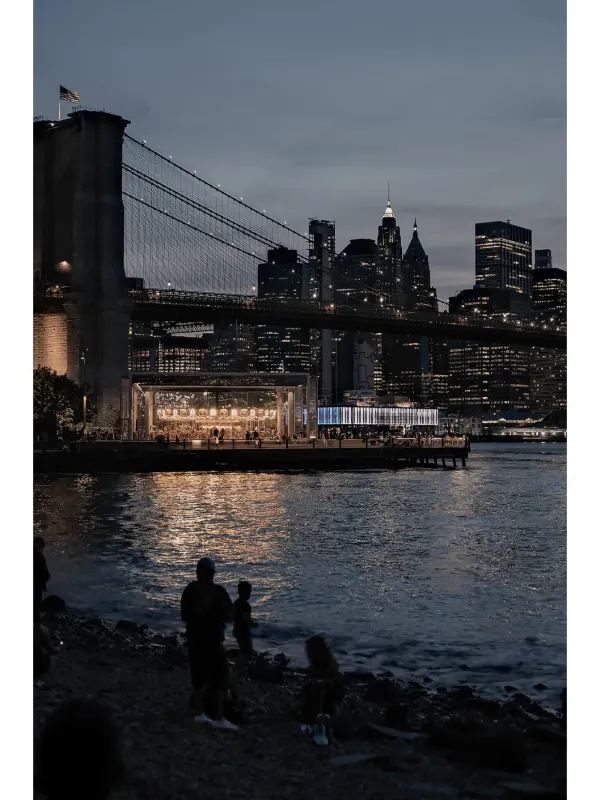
[
  {"x": 372, "y": 732},
  {"x": 127, "y": 626},
  {"x": 53, "y": 604},
  {"x": 396, "y": 715},
  {"x": 382, "y": 691},
  {"x": 262, "y": 670}
]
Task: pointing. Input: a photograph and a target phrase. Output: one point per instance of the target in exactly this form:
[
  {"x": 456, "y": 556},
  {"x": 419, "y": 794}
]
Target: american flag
[{"x": 69, "y": 95}]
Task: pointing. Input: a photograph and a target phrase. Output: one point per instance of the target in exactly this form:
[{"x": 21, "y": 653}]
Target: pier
[{"x": 234, "y": 454}]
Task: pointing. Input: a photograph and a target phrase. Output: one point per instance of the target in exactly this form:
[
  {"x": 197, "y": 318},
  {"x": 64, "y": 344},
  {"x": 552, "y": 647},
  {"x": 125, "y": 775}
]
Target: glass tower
[{"x": 503, "y": 256}]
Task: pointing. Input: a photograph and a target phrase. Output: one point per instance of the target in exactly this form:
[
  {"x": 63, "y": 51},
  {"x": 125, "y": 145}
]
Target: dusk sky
[{"x": 308, "y": 108}]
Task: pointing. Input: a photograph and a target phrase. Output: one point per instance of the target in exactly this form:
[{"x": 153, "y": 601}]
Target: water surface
[{"x": 458, "y": 575}]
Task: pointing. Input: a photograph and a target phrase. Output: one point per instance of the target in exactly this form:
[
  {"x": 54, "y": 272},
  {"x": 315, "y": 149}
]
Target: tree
[{"x": 57, "y": 400}]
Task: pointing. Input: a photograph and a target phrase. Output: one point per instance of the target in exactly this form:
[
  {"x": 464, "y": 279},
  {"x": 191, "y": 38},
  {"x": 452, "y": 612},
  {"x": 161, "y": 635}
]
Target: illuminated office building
[
  {"x": 389, "y": 257},
  {"x": 549, "y": 295},
  {"x": 321, "y": 259},
  {"x": 409, "y": 365},
  {"x": 543, "y": 259},
  {"x": 503, "y": 256},
  {"x": 357, "y": 355},
  {"x": 278, "y": 348},
  {"x": 487, "y": 377},
  {"x": 231, "y": 349},
  {"x": 549, "y": 367}
]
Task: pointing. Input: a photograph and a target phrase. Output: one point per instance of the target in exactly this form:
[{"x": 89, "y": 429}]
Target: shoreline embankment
[{"x": 393, "y": 739}]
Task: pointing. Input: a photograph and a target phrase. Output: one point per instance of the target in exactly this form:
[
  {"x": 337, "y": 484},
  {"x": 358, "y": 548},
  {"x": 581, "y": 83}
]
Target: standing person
[
  {"x": 41, "y": 576},
  {"x": 323, "y": 689},
  {"x": 206, "y": 608},
  {"x": 242, "y": 625},
  {"x": 247, "y": 437}
]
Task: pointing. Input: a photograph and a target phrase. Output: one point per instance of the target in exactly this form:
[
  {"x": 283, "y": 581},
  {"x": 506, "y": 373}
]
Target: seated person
[{"x": 323, "y": 689}]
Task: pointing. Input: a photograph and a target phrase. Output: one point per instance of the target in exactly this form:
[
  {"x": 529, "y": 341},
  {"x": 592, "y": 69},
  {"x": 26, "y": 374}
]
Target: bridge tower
[{"x": 78, "y": 246}]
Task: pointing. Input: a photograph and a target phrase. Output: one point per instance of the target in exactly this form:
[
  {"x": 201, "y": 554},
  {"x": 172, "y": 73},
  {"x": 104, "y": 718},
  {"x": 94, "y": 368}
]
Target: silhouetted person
[
  {"x": 242, "y": 630},
  {"x": 242, "y": 618},
  {"x": 41, "y": 576},
  {"x": 206, "y": 608},
  {"x": 42, "y": 651},
  {"x": 79, "y": 752},
  {"x": 323, "y": 689}
]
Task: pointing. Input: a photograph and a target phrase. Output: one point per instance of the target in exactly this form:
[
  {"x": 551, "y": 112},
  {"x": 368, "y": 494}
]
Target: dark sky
[{"x": 308, "y": 108}]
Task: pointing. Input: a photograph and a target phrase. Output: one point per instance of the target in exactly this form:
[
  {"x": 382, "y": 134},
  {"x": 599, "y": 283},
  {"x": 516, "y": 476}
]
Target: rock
[
  {"x": 175, "y": 656},
  {"x": 385, "y": 674},
  {"x": 491, "y": 748},
  {"x": 373, "y": 731},
  {"x": 427, "y": 679},
  {"x": 344, "y": 725},
  {"x": 540, "y": 687},
  {"x": 361, "y": 676},
  {"x": 281, "y": 659},
  {"x": 510, "y": 689},
  {"x": 396, "y": 715},
  {"x": 530, "y": 790},
  {"x": 382, "y": 691},
  {"x": 262, "y": 670},
  {"x": 351, "y": 759},
  {"x": 127, "y": 626},
  {"x": 53, "y": 604}
]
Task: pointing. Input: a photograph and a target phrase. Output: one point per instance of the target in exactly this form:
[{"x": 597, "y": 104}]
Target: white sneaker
[
  {"x": 203, "y": 719},
  {"x": 224, "y": 724},
  {"x": 307, "y": 729},
  {"x": 320, "y": 736}
]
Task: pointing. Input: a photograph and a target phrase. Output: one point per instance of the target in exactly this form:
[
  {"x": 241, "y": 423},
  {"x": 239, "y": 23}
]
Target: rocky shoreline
[{"x": 393, "y": 739}]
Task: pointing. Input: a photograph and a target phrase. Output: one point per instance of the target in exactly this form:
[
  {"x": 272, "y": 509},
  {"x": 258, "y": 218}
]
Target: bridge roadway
[
  {"x": 169, "y": 305},
  {"x": 175, "y": 306}
]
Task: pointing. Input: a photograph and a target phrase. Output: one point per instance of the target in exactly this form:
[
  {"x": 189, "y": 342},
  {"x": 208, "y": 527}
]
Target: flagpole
[{"x": 59, "y": 109}]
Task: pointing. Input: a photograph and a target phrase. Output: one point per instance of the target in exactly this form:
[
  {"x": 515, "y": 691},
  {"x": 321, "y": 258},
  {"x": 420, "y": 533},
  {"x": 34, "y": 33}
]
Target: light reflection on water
[{"x": 458, "y": 574}]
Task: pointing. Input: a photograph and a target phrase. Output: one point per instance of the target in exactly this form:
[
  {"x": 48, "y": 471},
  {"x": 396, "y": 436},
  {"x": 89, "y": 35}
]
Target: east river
[{"x": 455, "y": 575}]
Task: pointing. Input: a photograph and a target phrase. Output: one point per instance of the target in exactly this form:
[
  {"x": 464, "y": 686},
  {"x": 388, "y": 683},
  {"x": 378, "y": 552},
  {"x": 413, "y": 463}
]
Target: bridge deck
[{"x": 183, "y": 307}]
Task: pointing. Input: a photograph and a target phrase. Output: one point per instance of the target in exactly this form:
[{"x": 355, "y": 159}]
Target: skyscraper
[
  {"x": 548, "y": 367},
  {"x": 281, "y": 349},
  {"x": 543, "y": 259},
  {"x": 232, "y": 349},
  {"x": 356, "y": 273},
  {"x": 415, "y": 276},
  {"x": 357, "y": 355},
  {"x": 321, "y": 259},
  {"x": 487, "y": 377},
  {"x": 389, "y": 257},
  {"x": 503, "y": 256},
  {"x": 549, "y": 294},
  {"x": 407, "y": 362}
]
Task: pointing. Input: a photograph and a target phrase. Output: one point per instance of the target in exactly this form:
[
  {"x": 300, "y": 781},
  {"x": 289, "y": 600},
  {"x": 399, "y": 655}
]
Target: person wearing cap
[{"x": 206, "y": 608}]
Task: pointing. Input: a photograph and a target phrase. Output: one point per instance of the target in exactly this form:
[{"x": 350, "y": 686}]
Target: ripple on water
[{"x": 437, "y": 568}]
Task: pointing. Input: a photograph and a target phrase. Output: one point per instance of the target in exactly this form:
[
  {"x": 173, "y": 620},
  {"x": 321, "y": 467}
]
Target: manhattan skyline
[{"x": 460, "y": 108}]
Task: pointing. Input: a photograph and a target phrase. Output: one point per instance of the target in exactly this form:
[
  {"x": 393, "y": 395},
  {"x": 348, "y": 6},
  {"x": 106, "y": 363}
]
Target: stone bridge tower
[{"x": 78, "y": 246}]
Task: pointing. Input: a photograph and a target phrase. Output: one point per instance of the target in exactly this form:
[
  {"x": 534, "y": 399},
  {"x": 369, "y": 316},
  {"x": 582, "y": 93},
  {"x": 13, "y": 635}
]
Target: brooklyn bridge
[{"x": 123, "y": 235}]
